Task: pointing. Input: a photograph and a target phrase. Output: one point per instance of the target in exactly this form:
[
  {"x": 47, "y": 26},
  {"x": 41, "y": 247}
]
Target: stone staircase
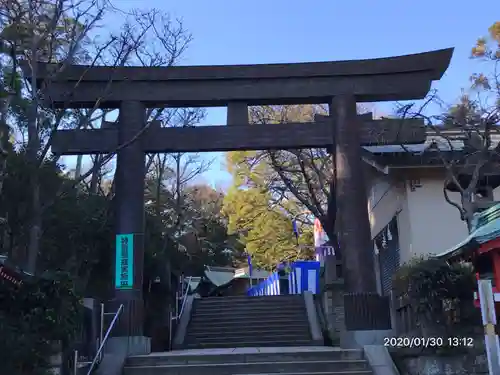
[
  {"x": 234, "y": 322},
  {"x": 249, "y": 336},
  {"x": 251, "y": 361}
]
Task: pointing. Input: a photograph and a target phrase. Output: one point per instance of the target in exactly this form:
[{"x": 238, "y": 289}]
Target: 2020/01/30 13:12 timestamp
[{"x": 428, "y": 342}]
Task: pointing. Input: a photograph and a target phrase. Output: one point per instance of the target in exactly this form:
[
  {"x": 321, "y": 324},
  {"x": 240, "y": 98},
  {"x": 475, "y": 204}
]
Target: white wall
[
  {"x": 435, "y": 224},
  {"x": 426, "y": 222},
  {"x": 387, "y": 199}
]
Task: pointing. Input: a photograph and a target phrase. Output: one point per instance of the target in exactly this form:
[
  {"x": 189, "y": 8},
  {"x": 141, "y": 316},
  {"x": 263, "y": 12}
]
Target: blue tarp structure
[{"x": 303, "y": 276}]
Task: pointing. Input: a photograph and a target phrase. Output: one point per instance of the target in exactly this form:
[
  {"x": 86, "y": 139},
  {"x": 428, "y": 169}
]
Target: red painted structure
[
  {"x": 482, "y": 248},
  {"x": 486, "y": 260},
  {"x": 10, "y": 275}
]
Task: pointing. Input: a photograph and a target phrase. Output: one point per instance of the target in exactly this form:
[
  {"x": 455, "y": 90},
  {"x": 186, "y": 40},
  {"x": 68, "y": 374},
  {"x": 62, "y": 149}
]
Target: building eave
[{"x": 486, "y": 228}]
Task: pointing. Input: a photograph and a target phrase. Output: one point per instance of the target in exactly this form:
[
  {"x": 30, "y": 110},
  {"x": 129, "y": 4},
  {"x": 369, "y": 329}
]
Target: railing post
[
  {"x": 489, "y": 318},
  {"x": 170, "y": 326},
  {"x": 291, "y": 282},
  {"x": 101, "y": 331},
  {"x": 176, "y": 303},
  {"x": 393, "y": 310},
  {"x": 75, "y": 363}
]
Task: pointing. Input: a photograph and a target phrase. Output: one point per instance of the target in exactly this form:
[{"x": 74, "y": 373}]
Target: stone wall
[
  {"x": 333, "y": 302},
  {"x": 55, "y": 364},
  {"x": 471, "y": 362},
  {"x": 56, "y": 360}
]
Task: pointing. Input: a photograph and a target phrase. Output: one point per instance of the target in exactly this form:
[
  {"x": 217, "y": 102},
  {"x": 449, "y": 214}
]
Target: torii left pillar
[
  {"x": 130, "y": 221},
  {"x": 366, "y": 313}
]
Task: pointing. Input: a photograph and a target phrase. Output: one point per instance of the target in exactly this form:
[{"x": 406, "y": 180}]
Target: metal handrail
[
  {"x": 184, "y": 299},
  {"x": 108, "y": 332},
  {"x": 101, "y": 347},
  {"x": 178, "y": 313}
]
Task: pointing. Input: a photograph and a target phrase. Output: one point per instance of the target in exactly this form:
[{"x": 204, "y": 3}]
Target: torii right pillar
[{"x": 366, "y": 313}]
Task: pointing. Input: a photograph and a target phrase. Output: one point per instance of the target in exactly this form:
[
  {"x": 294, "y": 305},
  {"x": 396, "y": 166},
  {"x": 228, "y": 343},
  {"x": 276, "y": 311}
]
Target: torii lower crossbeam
[{"x": 236, "y": 137}]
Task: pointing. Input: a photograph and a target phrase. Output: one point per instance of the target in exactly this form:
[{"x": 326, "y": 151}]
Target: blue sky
[{"x": 273, "y": 31}]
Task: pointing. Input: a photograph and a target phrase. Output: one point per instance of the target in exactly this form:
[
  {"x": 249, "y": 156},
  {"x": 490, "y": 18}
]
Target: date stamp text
[{"x": 428, "y": 342}]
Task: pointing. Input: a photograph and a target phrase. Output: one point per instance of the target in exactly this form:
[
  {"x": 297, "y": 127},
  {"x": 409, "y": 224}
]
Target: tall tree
[
  {"x": 58, "y": 31},
  {"x": 299, "y": 176},
  {"x": 263, "y": 228},
  {"x": 299, "y": 181},
  {"x": 213, "y": 244},
  {"x": 466, "y": 131},
  {"x": 35, "y": 31}
]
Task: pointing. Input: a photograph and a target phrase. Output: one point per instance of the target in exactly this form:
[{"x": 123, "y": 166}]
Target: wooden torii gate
[{"x": 339, "y": 84}]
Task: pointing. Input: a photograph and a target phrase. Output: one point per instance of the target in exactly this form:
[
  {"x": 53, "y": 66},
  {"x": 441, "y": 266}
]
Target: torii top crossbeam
[{"x": 406, "y": 77}]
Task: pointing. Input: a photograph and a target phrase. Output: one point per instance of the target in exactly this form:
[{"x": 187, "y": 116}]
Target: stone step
[
  {"x": 235, "y": 315},
  {"x": 302, "y": 336},
  {"x": 236, "y": 338},
  {"x": 249, "y": 302},
  {"x": 248, "y": 344},
  {"x": 222, "y": 328},
  {"x": 250, "y": 332},
  {"x": 239, "y": 300},
  {"x": 280, "y": 297},
  {"x": 262, "y": 317},
  {"x": 253, "y": 323},
  {"x": 252, "y": 306},
  {"x": 260, "y": 335},
  {"x": 250, "y": 310},
  {"x": 266, "y": 300},
  {"x": 363, "y": 372},
  {"x": 246, "y": 355},
  {"x": 249, "y": 322},
  {"x": 250, "y": 368},
  {"x": 233, "y": 299}
]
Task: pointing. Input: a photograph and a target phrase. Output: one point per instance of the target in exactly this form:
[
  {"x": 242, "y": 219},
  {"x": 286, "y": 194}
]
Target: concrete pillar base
[
  {"x": 359, "y": 339},
  {"x": 117, "y": 350},
  {"x": 132, "y": 345},
  {"x": 380, "y": 360},
  {"x": 312, "y": 318},
  {"x": 333, "y": 305}
]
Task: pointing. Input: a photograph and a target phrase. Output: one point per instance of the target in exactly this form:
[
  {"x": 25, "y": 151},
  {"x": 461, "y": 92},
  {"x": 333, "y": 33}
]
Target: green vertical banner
[{"x": 124, "y": 266}]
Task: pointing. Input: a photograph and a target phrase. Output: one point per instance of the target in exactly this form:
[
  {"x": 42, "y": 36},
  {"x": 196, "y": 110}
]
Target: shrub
[
  {"x": 441, "y": 295},
  {"x": 35, "y": 315}
]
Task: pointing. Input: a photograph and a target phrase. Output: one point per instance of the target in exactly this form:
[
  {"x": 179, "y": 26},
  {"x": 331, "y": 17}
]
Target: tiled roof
[
  {"x": 222, "y": 275},
  {"x": 486, "y": 227},
  {"x": 453, "y": 139}
]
